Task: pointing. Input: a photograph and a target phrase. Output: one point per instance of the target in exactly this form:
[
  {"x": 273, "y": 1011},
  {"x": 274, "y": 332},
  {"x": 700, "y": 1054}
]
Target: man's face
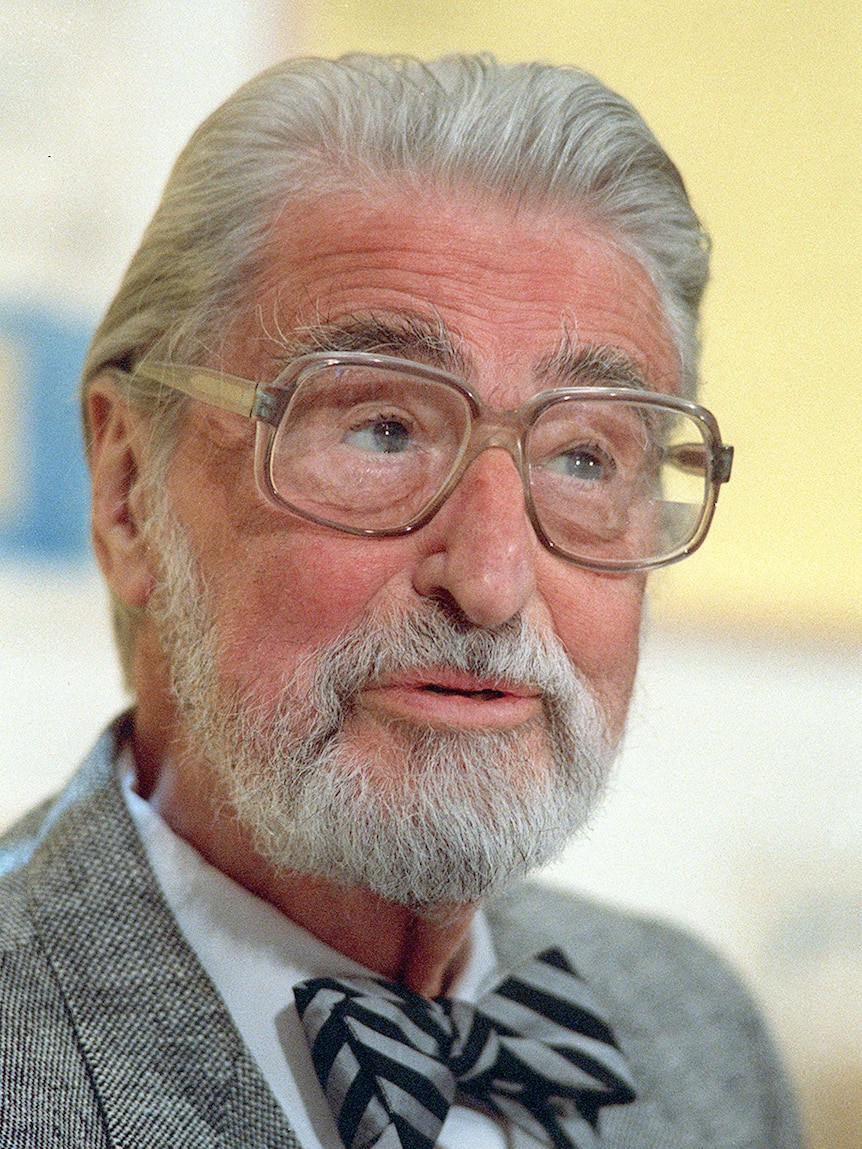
[{"x": 512, "y": 298}]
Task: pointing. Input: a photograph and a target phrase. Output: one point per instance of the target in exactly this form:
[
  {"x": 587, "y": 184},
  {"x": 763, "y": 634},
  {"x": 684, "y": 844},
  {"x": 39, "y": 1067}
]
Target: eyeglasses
[{"x": 614, "y": 478}]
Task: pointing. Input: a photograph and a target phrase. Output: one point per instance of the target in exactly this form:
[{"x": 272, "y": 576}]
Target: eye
[
  {"x": 380, "y": 435},
  {"x": 588, "y": 463}
]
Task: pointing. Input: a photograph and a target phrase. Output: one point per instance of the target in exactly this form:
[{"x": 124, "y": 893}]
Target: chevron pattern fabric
[{"x": 536, "y": 1051}]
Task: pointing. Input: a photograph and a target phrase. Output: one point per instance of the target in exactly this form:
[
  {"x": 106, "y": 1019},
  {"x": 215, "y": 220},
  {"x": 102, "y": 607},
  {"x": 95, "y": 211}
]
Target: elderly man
[{"x": 387, "y": 423}]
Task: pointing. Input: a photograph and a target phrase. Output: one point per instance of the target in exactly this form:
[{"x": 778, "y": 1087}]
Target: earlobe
[{"x": 117, "y": 465}]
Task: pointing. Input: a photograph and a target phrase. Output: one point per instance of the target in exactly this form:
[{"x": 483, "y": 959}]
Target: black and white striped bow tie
[{"x": 536, "y": 1051}]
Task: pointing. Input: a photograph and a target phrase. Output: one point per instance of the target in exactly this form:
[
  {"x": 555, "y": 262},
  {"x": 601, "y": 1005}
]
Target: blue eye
[
  {"x": 589, "y": 464},
  {"x": 380, "y": 436}
]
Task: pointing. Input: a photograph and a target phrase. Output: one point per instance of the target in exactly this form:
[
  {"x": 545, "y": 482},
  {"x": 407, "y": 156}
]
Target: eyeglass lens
[{"x": 371, "y": 449}]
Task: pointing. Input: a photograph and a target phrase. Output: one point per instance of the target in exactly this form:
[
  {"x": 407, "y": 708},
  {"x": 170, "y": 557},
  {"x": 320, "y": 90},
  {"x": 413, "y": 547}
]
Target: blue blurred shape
[{"x": 45, "y": 512}]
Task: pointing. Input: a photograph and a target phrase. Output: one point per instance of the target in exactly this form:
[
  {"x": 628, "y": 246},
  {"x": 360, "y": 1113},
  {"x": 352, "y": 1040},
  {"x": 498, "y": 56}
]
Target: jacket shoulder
[{"x": 694, "y": 1038}]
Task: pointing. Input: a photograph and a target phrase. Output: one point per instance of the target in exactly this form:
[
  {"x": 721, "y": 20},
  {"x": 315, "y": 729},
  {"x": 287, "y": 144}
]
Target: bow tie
[{"x": 535, "y": 1051}]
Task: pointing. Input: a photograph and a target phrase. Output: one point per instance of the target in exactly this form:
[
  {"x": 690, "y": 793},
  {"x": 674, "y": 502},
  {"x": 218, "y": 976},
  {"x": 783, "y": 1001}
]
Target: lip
[{"x": 452, "y": 698}]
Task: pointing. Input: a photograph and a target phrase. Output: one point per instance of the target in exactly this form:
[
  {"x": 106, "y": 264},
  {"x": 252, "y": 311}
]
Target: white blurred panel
[
  {"x": 742, "y": 759},
  {"x": 96, "y": 99},
  {"x": 59, "y": 681}
]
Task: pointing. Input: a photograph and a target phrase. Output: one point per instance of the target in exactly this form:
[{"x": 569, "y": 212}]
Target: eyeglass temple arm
[
  {"x": 692, "y": 458},
  {"x": 229, "y": 392}
]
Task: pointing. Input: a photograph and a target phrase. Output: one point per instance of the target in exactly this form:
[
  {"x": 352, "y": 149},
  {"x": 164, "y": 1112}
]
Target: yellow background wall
[{"x": 760, "y": 107}]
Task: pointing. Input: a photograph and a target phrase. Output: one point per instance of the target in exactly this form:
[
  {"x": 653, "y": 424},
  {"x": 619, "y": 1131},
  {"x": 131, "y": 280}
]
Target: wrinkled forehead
[{"x": 464, "y": 282}]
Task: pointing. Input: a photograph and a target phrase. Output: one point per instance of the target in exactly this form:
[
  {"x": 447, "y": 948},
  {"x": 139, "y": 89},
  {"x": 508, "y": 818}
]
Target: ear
[{"x": 117, "y": 465}]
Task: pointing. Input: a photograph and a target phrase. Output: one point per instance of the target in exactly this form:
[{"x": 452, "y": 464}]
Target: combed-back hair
[{"x": 526, "y": 134}]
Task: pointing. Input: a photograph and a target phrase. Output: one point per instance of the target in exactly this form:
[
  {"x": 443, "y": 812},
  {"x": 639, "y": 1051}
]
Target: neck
[{"x": 424, "y": 952}]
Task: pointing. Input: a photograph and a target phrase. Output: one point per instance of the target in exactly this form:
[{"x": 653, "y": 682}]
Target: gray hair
[{"x": 534, "y": 134}]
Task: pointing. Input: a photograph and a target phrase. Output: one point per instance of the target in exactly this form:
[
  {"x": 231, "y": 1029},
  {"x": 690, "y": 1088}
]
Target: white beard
[{"x": 455, "y": 815}]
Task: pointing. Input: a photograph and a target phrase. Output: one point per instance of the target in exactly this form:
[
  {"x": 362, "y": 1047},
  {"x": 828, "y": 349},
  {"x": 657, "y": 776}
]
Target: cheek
[
  {"x": 280, "y": 587},
  {"x": 599, "y": 625},
  {"x": 288, "y": 597}
]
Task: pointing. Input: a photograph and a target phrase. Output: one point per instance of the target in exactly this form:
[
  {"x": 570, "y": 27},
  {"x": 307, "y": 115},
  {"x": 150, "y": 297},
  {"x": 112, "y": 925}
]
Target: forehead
[{"x": 504, "y": 287}]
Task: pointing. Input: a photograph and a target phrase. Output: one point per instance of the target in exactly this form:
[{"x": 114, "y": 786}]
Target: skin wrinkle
[{"x": 551, "y": 225}]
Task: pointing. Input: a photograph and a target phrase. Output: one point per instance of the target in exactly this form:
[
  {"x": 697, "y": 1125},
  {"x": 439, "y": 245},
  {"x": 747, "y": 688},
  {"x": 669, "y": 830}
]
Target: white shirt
[{"x": 254, "y": 956}]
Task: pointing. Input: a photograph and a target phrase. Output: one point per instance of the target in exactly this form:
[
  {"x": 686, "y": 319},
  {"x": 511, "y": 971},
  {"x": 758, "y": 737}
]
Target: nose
[{"x": 480, "y": 548}]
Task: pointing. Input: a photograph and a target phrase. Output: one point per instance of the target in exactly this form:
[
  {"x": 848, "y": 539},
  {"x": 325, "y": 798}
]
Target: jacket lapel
[{"x": 167, "y": 1064}]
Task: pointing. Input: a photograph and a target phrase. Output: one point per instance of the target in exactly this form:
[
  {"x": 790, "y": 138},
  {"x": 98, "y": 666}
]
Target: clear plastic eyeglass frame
[{"x": 269, "y": 403}]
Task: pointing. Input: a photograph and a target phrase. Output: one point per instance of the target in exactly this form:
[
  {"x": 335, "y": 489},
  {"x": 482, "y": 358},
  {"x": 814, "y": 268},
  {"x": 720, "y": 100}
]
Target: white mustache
[{"x": 514, "y": 653}]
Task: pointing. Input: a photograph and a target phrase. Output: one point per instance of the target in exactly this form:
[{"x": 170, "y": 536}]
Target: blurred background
[{"x": 737, "y": 805}]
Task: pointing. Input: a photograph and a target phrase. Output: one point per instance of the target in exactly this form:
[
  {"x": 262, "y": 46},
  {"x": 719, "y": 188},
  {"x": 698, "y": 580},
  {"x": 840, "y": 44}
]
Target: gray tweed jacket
[{"x": 112, "y": 1036}]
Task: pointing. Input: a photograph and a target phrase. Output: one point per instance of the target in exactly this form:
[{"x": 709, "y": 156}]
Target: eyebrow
[
  {"x": 413, "y": 335},
  {"x": 590, "y": 365},
  {"x": 404, "y": 334}
]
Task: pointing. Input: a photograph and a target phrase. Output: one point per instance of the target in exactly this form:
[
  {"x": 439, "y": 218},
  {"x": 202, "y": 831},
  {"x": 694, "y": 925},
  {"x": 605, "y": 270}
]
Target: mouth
[
  {"x": 483, "y": 695},
  {"x": 450, "y": 698}
]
